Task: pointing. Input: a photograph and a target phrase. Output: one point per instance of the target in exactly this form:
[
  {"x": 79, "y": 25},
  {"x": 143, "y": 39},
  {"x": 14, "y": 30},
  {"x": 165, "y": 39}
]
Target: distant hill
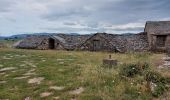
[{"x": 21, "y": 36}]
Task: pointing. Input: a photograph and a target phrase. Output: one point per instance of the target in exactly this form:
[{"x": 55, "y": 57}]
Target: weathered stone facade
[
  {"x": 158, "y": 35},
  {"x": 40, "y": 42},
  {"x": 95, "y": 42},
  {"x": 98, "y": 42},
  {"x": 113, "y": 42}
]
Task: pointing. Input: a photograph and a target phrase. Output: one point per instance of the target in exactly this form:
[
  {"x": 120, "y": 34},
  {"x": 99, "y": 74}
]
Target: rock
[
  {"x": 29, "y": 73},
  {"x": 56, "y": 88},
  {"x": 30, "y": 64},
  {"x": 167, "y": 63},
  {"x": 45, "y": 94},
  {"x": 23, "y": 77},
  {"x": 35, "y": 80},
  {"x": 166, "y": 58},
  {"x": 2, "y": 82},
  {"x": 152, "y": 87},
  {"x": 6, "y": 58},
  {"x": 56, "y": 98},
  {"x": 7, "y": 69},
  {"x": 77, "y": 91}
]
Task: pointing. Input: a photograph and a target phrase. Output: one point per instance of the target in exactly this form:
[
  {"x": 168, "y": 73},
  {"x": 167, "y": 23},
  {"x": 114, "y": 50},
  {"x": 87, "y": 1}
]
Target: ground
[{"x": 71, "y": 75}]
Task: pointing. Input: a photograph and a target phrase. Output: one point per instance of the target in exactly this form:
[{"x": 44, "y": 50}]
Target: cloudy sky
[{"x": 79, "y": 16}]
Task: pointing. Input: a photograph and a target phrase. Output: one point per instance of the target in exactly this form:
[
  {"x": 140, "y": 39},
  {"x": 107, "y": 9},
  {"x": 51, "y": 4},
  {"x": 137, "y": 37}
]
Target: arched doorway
[{"x": 51, "y": 43}]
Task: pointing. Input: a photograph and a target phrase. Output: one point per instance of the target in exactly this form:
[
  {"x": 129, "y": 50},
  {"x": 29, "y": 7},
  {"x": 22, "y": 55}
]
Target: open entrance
[
  {"x": 161, "y": 40},
  {"x": 96, "y": 45},
  {"x": 51, "y": 43}
]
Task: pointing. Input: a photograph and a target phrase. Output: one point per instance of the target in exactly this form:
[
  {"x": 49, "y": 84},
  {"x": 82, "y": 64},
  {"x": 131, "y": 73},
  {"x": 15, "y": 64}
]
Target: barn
[
  {"x": 158, "y": 33},
  {"x": 53, "y": 41},
  {"x": 42, "y": 42},
  {"x": 116, "y": 42},
  {"x": 156, "y": 37},
  {"x": 98, "y": 42}
]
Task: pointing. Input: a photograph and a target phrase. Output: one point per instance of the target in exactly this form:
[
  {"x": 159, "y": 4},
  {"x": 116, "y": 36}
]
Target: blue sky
[{"x": 79, "y": 16}]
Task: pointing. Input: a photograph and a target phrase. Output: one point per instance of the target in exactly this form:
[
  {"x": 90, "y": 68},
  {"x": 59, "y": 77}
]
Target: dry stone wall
[{"x": 131, "y": 42}]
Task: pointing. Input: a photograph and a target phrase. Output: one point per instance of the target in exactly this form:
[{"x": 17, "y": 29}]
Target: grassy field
[{"x": 71, "y": 75}]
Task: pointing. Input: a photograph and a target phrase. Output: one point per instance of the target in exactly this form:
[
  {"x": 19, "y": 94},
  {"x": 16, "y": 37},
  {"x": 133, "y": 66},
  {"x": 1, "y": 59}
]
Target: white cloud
[{"x": 18, "y": 16}]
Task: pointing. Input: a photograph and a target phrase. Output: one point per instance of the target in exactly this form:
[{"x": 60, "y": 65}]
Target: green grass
[{"x": 73, "y": 69}]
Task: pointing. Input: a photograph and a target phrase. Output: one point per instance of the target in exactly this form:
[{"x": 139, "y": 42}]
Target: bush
[
  {"x": 159, "y": 90},
  {"x": 130, "y": 70},
  {"x": 145, "y": 66},
  {"x": 159, "y": 81},
  {"x": 152, "y": 77}
]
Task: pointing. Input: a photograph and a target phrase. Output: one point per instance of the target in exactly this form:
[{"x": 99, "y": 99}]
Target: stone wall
[
  {"x": 131, "y": 42},
  {"x": 98, "y": 42},
  {"x": 120, "y": 43},
  {"x": 95, "y": 42},
  {"x": 38, "y": 42}
]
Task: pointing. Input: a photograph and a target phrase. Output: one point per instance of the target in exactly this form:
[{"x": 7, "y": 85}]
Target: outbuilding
[{"x": 158, "y": 33}]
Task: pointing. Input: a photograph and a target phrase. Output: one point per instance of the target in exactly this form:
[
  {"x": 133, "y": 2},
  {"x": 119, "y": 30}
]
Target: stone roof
[
  {"x": 58, "y": 38},
  {"x": 72, "y": 41},
  {"x": 121, "y": 42},
  {"x": 31, "y": 42},
  {"x": 68, "y": 41},
  {"x": 157, "y": 27}
]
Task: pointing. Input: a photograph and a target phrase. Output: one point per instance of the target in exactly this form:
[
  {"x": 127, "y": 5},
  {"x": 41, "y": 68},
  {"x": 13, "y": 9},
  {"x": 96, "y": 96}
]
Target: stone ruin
[{"x": 109, "y": 61}]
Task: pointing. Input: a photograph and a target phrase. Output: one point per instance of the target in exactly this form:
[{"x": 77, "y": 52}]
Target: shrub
[
  {"x": 145, "y": 66},
  {"x": 159, "y": 81},
  {"x": 152, "y": 77},
  {"x": 130, "y": 70},
  {"x": 159, "y": 90}
]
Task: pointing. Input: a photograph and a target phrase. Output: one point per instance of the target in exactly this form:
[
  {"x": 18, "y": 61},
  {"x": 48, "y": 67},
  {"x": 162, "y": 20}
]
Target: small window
[{"x": 160, "y": 41}]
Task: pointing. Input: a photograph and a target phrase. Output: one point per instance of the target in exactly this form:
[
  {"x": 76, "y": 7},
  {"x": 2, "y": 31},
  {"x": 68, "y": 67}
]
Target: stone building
[
  {"x": 93, "y": 42},
  {"x": 98, "y": 42},
  {"x": 41, "y": 42},
  {"x": 55, "y": 41},
  {"x": 115, "y": 42},
  {"x": 158, "y": 35}
]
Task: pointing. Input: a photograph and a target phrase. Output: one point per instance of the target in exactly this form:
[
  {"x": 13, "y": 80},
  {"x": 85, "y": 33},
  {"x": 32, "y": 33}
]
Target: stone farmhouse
[{"x": 156, "y": 36}]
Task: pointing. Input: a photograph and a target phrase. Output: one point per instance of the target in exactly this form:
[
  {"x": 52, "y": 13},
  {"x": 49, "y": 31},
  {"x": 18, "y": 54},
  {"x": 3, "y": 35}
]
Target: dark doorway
[
  {"x": 51, "y": 43},
  {"x": 161, "y": 40},
  {"x": 96, "y": 45}
]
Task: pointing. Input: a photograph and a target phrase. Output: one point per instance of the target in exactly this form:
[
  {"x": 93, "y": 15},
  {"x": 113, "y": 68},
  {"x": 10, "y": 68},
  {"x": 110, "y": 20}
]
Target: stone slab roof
[{"x": 157, "y": 27}]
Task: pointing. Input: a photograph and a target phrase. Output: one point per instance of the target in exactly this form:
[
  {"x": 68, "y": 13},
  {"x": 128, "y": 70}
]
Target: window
[{"x": 160, "y": 40}]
